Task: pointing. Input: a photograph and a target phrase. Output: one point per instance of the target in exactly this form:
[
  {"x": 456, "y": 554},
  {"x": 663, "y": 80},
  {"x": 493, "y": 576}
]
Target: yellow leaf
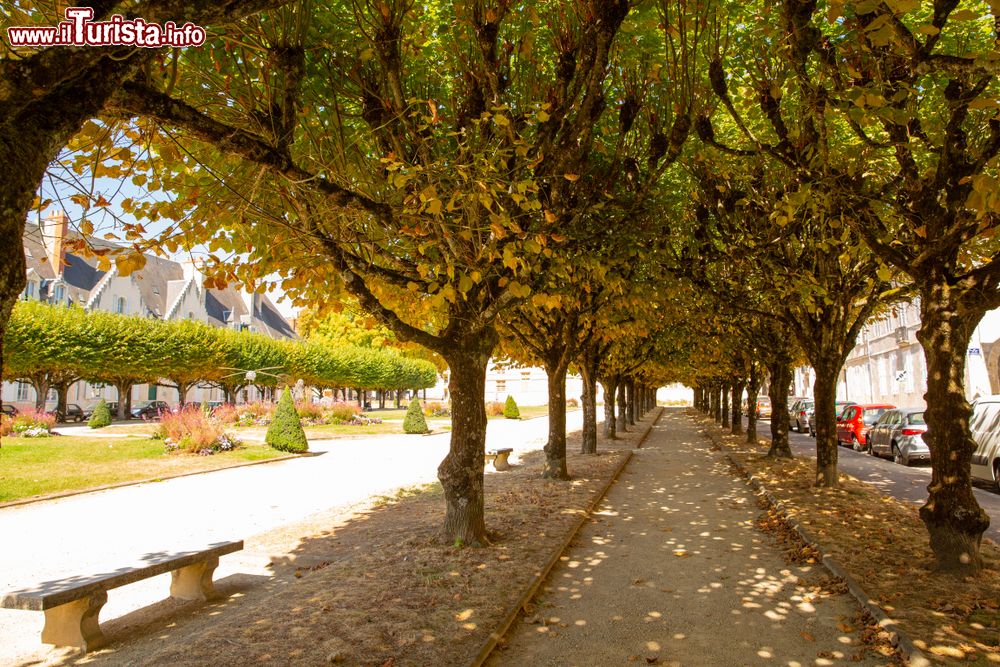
[
  {"x": 542, "y": 116},
  {"x": 550, "y": 216},
  {"x": 572, "y": 177},
  {"x": 86, "y": 227},
  {"x": 434, "y": 207}
]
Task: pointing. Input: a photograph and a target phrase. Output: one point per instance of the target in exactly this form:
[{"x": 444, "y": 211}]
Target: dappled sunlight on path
[{"x": 672, "y": 570}]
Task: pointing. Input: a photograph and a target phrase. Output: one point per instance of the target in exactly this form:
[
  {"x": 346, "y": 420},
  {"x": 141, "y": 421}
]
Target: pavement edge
[
  {"x": 487, "y": 648},
  {"x": 913, "y": 655}
]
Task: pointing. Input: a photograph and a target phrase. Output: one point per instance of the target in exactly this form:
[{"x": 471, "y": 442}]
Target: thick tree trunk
[
  {"x": 40, "y": 383},
  {"x": 381, "y": 399},
  {"x": 588, "y": 371},
  {"x": 610, "y": 425},
  {"x": 361, "y": 398},
  {"x": 714, "y": 402},
  {"x": 953, "y": 517},
  {"x": 753, "y": 389},
  {"x": 461, "y": 471},
  {"x": 781, "y": 377},
  {"x": 123, "y": 389},
  {"x": 555, "y": 448},
  {"x": 724, "y": 409},
  {"x": 399, "y": 393},
  {"x": 62, "y": 398},
  {"x": 825, "y": 399},
  {"x": 622, "y": 405},
  {"x": 736, "y": 403}
]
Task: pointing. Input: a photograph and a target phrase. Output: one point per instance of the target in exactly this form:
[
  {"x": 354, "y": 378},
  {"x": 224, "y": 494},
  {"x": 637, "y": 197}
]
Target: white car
[{"x": 985, "y": 427}]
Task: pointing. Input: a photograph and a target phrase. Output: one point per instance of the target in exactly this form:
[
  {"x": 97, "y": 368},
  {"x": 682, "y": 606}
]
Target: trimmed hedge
[
  {"x": 414, "y": 421},
  {"x": 285, "y": 432},
  {"x": 510, "y": 410},
  {"x": 101, "y": 416}
]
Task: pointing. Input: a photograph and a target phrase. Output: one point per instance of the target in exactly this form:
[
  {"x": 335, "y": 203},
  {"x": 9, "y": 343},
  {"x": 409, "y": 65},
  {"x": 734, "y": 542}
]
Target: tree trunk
[
  {"x": 610, "y": 426},
  {"x": 622, "y": 404},
  {"x": 725, "y": 406},
  {"x": 128, "y": 405},
  {"x": 123, "y": 389},
  {"x": 62, "y": 398},
  {"x": 461, "y": 471},
  {"x": 753, "y": 388},
  {"x": 588, "y": 371},
  {"x": 555, "y": 448},
  {"x": 781, "y": 377},
  {"x": 630, "y": 401},
  {"x": 736, "y": 423},
  {"x": 381, "y": 399},
  {"x": 825, "y": 399},
  {"x": 41, "y": 384},
  {"x": 399, "y": 393},
  {"x": 713, "y": 403},
  {"x": 953, "y": 517},
  {"x": 361, "y": 398}
]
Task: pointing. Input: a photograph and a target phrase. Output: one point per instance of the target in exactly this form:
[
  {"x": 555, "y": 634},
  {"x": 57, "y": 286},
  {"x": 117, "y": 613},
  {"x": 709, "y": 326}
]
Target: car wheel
[
  {"x": 897, "y": 456},
  {"x": 996, "y": 473}
]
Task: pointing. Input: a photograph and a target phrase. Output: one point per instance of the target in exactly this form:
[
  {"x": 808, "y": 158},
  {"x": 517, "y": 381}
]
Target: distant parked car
[
  {"x": 810, "y": 423},
  {"x": 8, "y": 410},
  {"x": 899, "y": 433},
  {"x": 150, "y": 409},
  {"x": 854, "y": 422},
  {"x": 73, "y": 413},
  {"x": 985, "y": 427},
  {"x": 797, "y": 420},
  {"x": 763, "y": 407}
]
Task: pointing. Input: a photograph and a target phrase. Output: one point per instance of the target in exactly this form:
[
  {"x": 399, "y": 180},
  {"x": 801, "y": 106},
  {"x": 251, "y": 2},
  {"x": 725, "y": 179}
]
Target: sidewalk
[{"x": 672, "y": 571}]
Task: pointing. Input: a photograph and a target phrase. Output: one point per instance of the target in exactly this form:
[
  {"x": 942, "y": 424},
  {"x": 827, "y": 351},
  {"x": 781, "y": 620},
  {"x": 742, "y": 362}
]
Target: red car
[{"x": 854, "y": 422}]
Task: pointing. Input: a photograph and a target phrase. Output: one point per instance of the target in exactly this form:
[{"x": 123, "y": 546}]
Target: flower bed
[
  {"x": 28, "y": 424},
  {"x": 192, "y": 431}
]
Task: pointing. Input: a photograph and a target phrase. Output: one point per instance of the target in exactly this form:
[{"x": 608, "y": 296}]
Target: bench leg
[
  {"x": 500, "y": 462},
  {"x": 194, "y": 582},
  {"x": 75, "y": 623}
]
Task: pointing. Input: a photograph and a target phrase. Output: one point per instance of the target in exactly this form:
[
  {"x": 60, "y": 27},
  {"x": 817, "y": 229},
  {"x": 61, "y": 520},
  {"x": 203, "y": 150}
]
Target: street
[{"x": 898, "y": 481}]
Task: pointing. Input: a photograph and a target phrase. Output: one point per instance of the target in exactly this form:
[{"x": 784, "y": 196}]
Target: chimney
[
  {"x": 193, "y": 271},
  {"x": 54, "y": 228}
]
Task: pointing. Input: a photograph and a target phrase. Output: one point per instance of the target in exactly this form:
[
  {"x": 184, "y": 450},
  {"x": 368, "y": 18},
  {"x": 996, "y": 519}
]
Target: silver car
[
  {"x": 797, "y": 415},
  {"x": 899, "y": 433},
  {"x": 985, "y": 427}
]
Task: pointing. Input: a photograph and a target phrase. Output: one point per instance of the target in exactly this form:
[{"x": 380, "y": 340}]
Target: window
[
  {"x": 22, "y": 390},
  {"x": 501, "y": 386},
  {"x": 60, "y": 293},
  {"x": 908, "y": 370},
  {"x": 53, "y": 395},
  {"x": 121, "y": 306},
  {"x": 151, "y": 396},
  {"x": 29, "y": 290}
]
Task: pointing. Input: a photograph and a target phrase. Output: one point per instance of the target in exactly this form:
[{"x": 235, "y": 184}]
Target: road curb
[
  {"x": 899, "y": 639},
  {"x": 486, "y": 649}
]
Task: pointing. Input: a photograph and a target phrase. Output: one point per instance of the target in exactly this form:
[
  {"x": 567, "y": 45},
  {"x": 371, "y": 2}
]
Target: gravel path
[{"x": 672, "y": 571}]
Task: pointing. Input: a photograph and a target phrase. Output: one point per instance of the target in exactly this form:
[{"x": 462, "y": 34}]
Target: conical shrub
[
  {"x": 101, "y": 416},
  {"x": 414, "y": 421},
  {"x": 285, "y": 432},
  {"x": 510, "y": 410}
]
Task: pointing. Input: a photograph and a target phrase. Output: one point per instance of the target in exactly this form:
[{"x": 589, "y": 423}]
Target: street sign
[{"x": 975, "y": 352}]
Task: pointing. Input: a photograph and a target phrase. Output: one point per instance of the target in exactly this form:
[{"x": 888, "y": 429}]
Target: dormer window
[{"x": 121, "y": 306}]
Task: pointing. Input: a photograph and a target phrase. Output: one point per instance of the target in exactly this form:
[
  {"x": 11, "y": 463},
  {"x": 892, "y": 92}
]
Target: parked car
[
  {"x": 899, "y": 433},
  {"x": 797, "y": 414},
  {"x": 854, "y": 422},
  {"x": 73, "y": 413},
  {"x": 8, "y": 410},
  {"x": 985, "y": 427},
  {"x": 763, "y": 407},
  {"x": 150, "y": 409},
  {"x": 838, "y": 409}
]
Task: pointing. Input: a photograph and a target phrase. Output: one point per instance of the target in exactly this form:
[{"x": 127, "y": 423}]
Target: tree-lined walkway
[{"x": 672, "y": 570}]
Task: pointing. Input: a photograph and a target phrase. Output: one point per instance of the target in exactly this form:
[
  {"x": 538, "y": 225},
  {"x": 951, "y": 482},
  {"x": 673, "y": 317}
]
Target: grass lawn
[
  {"x": 138, "y": 428},
  {"x": 39, "y": 466}
]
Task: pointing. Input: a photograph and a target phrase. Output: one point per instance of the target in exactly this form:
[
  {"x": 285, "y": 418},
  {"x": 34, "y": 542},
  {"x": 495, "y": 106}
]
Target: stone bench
[
  {"x": 72, "y": 605},
  {"x": 498, "y": 457}
]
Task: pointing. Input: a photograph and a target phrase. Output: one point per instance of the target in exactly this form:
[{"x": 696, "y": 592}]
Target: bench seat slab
[
  {"x": 75, "y": 623},
  {"x": 194, "y": 582}
]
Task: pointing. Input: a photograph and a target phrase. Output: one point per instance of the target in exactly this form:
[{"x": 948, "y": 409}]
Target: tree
[
  {"x": 50, "y": 93},
  {"x": 414, "y": 421},
  {"x": 285, "y": 432},
  {"x": 431, "y": 168},
  {"x": 123, "y": 352},
  {"x": 190, "y": 353}
]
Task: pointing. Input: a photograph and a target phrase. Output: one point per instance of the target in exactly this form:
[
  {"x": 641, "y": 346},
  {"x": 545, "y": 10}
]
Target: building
[
  {"x": 162, "y": 289},
  {"x": 887, "y": 363}
]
